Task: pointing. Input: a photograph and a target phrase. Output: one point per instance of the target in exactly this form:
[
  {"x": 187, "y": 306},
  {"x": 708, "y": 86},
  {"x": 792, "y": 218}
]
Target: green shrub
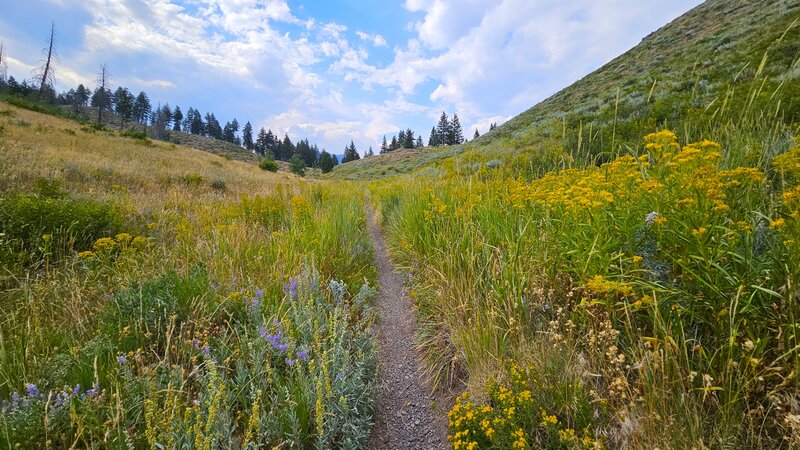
[
  {"x": 133, "y": 134},
  {"x": 48, "y": 225},
  {"x": 219, "y": 184},
  {"x": 268, "y": 164},
  {"x": 192, "y": 179}
]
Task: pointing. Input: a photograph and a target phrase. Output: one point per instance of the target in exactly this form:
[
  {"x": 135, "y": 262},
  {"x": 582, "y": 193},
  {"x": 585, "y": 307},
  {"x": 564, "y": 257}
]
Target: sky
[{"x": 334, "y": 71}]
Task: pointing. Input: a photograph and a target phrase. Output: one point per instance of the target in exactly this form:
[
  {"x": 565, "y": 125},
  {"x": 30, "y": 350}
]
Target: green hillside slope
[{"x": 723, "y": 63}]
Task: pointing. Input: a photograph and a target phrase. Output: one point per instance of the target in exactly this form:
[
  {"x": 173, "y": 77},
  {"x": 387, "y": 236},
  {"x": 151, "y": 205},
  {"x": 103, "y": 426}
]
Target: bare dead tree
[
  {"x": 103, "y": 79},
  {"x": 46, "y": 75},
  {"x": 3, "y": 64}
]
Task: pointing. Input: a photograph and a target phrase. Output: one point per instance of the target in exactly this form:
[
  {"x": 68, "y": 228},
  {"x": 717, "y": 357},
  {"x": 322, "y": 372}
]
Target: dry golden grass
[{"x": 96, "y": 163}]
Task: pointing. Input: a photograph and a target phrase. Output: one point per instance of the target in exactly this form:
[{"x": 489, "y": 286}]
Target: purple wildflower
[
  {"x": 207, "y": 350},
  {"x": 651, "y": 218},
  {"x": 262, "y": 331},
  {"x": 121, "y": 359},
  {"x": 31, "y": 389},
  {"x": 14, "y": 399},
  {"x": 302, "y": 354},
  {"x": 291, "y": 288},
  {"x": 94, "y": 390},
  {"x": 259, "y": 294},
  {"x": 290, "y": 362},
  {"x": 255, "y": 304},
  {"x": 196, "y": 343},
  {"x": 76, "y": 390}
]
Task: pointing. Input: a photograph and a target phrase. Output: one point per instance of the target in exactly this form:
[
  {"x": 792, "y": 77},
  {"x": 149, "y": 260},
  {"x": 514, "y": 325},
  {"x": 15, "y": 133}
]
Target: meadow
[
  {"x": 648, "y": 301},
  {"x": 156, "y": 296}
]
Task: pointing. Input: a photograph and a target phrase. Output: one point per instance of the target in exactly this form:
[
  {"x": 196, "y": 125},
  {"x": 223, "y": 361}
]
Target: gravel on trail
[{"x": 405, "y": 416}]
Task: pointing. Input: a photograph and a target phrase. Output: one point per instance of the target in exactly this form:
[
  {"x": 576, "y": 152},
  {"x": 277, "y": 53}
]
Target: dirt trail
[{"x": 404, "y": 416}]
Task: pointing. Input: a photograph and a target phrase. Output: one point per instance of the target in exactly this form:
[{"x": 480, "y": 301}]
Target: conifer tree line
[
  {"x": 446, "y": 132},
  {"x": 158, "y": 120}
]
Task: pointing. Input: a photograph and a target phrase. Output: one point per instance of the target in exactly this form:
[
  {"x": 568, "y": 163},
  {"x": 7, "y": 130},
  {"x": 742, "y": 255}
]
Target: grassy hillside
[
  {"x": 617, "y": 267},
  {"x": 723, "y": 64},
  {"x": 156, "y": 295}
]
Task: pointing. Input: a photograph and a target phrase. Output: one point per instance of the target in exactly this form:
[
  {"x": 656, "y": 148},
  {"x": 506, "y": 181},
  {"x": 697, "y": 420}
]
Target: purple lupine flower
[
  {"x": 94, "y": 390},
  {"x": 14, "y": 399},
  {"x": 196, "y": 343},
  {"x": 255, "y": 303},
  {"x": 259, "y": 294},
  {"x": 302, "y": 354},
  {"x": 651, "y": 218},
  {"x": 291, "y": 288},
  {"x": 31, "y": 389},
  {"x": 262, "y": 331},
  {"x": 76, "y": 390},
  {"x": 290, "y": 362},
  {"x": 121, "y": 359},
  {"x": 207, "y": 350}
]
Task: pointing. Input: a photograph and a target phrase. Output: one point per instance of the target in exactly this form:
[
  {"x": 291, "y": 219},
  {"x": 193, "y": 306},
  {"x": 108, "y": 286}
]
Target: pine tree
[
  {"x": 260, "y": 146},
  {"x": 393, "y": 146},
  {"x": 420, "y": 144},
  {"x": 123, "y": 105},
  {"x": 476, "y": 135},
  {"x": 286, "y": 149},
  {"x": 456, "y": 135},
  {"x": 409, "y": 140},
  {"x": 443, "y": 130},
  {"x": 177, "y": 119},
  {"x": 369, "y": 152},
  {"x": 384, "y": 145},
  {"x": 401, "y": 139},
  {"x": 297, "y": 165},
  {"x": 247, "y": 137},
  {"x": 433, "y": 140},
  {"x": 350, "y": 153},
  {"x": 325, "y": 162}
]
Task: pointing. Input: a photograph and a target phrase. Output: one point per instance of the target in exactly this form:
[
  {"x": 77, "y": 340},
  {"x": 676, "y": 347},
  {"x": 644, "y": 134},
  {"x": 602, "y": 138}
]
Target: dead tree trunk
[{"x": 47, "y": 71}]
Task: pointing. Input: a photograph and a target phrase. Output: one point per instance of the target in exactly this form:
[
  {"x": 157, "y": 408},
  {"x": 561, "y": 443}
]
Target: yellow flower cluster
[
  {"x": 513, "y": 420},
  {"x": 436, "y": 208},
  {"x": 602, "y": 286},
  {"x": 123, "y": 242},
  {"x": 789, "y": 163},
  {"x": 684, "y": 177}
]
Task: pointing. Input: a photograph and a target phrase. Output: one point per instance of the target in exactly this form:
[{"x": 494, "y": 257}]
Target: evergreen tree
[
  {"x": 408, "y": 142},
  {"x": 350, "y": 153},
  {"x": 273, "y": 144},
  {"x": 260, "y": 146},
  {"x": 141, "y": 108},
  {"x": 227, "y": 133},
  {"x": 433, "y": 140},
  {"x": 369, "y": 152},
  {"x": 213, "y": 128},
  {"x": 393, "y": 146},
  {"x": 420, "y": 144},
  {"x": 456, "y": 135},
  {"x": 443, "y": 130},
  {"x": 166, "y": 115},
  {"x": 101, "y": 99},
  {"x": 177, "y": 119},
  {"x": 247, "y": 137},
  {"x": 335, "y": 160},
  {"x": 123, "y": 105},
  {"x": 296, "y": 165},
  {"x": 476, "y": 135},
  {"x": 401, "y": 139},
  {"x": 492, "y": 126},
  {"x": 384, "y": 145},
  {"x": 286, "y": 149},
  {"x": 326, "y": 162},
  {"x": 81, "y": 97}
]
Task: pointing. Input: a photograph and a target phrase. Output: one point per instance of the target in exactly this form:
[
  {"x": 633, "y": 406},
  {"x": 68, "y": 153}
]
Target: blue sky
[{"x": 332, "y": 71}]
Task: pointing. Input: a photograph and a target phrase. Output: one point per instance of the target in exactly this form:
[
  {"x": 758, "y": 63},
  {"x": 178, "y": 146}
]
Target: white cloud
[{"x": 376, "y": 39}]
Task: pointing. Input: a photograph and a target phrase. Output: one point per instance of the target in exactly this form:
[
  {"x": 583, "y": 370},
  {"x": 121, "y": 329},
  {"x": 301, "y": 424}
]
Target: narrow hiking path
[{"x": 404, "y": 416}]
